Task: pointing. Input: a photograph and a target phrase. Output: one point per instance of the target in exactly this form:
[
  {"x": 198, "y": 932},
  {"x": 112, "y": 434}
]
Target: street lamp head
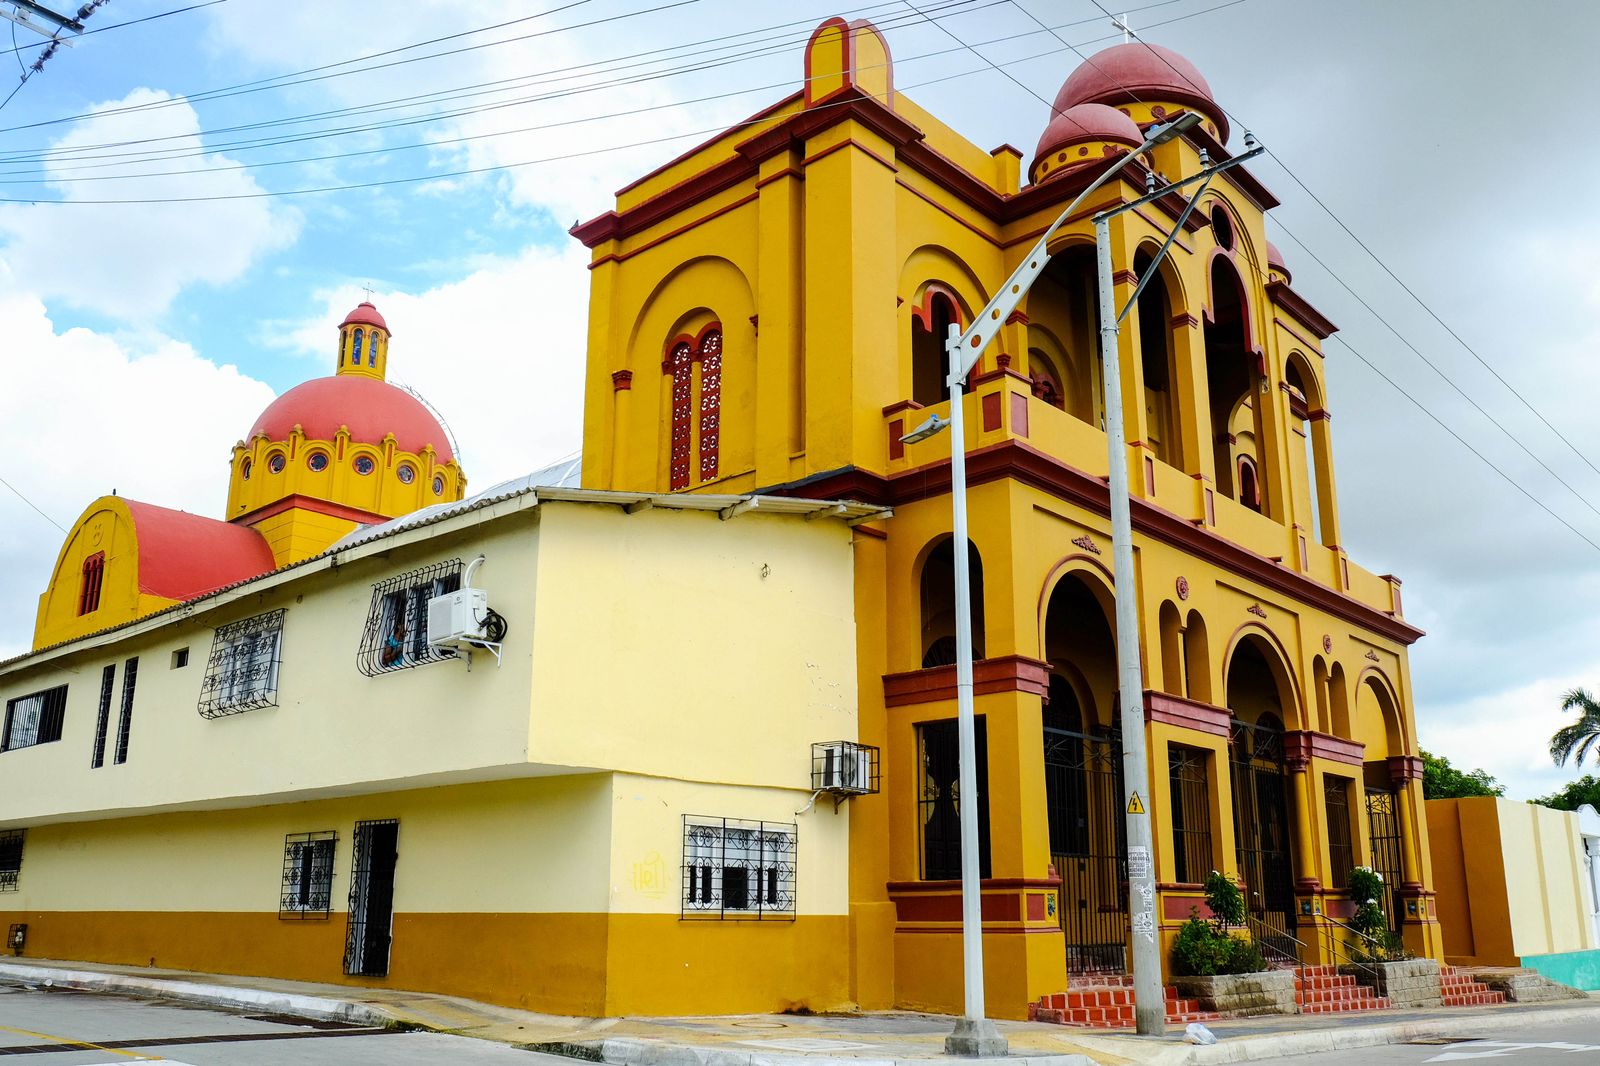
[
  {"x": 1167, "y": 131},
  {"x": 932, "y": 427}
]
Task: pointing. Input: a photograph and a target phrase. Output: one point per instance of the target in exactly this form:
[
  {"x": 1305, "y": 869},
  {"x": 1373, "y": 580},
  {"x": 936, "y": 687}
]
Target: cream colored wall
[
  {"x": 690, "y": 647},
  {"x": 1543, "y": 854},
  {"x": 512, "y": 846},
  {"x": 647, "y": 840}
]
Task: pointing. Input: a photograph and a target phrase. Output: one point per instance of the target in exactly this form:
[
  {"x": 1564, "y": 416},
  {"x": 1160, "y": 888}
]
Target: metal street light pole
[{"x": 975, "y": 1034}]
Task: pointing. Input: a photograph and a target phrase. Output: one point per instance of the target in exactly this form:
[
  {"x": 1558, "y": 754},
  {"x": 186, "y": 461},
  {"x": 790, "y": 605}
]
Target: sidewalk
[{"x": 886, "y": 1038}]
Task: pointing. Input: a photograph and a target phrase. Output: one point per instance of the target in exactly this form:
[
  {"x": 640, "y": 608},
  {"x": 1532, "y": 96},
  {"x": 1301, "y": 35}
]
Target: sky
[{"x": 138, "y": 341}]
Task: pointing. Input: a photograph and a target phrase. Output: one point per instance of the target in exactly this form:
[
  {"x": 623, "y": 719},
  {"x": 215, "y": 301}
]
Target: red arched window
[
  {"x": 1249, "y": 487},
  {"x": 680, "y": 364},
  {"x": 94, "y": 570},
  {"x": 710, "y": 357}
]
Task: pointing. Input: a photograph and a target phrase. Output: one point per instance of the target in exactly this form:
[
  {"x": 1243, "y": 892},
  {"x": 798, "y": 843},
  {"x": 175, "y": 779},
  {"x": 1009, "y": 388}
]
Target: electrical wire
[
  {"x": 131, "y": 22},
  {"x": 30, "y": 503}
]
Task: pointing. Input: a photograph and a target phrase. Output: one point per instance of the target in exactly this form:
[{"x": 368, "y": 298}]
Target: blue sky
[{"x": 137, "y": 342}]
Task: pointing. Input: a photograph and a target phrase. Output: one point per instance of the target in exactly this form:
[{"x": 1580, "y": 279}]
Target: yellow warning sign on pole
[{"x": 1135, "y": 804}]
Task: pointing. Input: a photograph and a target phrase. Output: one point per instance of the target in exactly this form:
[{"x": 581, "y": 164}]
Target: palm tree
[{"x": 1581, "y": 736}]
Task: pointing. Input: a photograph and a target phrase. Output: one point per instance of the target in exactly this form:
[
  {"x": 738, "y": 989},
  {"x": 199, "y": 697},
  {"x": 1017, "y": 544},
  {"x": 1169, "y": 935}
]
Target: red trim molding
[
  {"x": 1319, "y": 324},
  {"x": 1189, "y": 714},
  {"x": 310, "y": 503},
  {"x": 1303, "y": 744},
  {"x": 1009, "y": 673},
  {"x": 1022, "y": 462},
  {"x": 1405, "y": 768}
]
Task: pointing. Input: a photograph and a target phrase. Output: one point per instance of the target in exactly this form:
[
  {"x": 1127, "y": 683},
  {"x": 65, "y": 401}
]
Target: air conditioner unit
[
  {"x": 458, "y": 618},
  {"x": 844, "y": 768}
]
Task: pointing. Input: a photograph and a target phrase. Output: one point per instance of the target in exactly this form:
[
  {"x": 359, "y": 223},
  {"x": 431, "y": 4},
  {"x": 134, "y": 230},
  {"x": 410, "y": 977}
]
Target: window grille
[
  {"x": 939, "y": 798},
  {"x": 710, "y": 402},
  {"x": 34, "y": 719},
  {"x": 680, "y": 364},
  {"x": 1190, "y": 778},
  {"x": 94, "y": 572},
  {"x": 130, "y": 675},
  {"x": 102, "y": 722},
  {"x": 10, "y": 858},
  {"x": 396, "y": 634},
  {"x": 738, "y": 870},
  {"x": 242, "y": 674},
  {"x": 307, "y": 875},
  {"x": 1341, "y": 850}
]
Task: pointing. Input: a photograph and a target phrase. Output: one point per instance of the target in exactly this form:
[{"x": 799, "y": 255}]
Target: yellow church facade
[{"x": 823, "y": 246}]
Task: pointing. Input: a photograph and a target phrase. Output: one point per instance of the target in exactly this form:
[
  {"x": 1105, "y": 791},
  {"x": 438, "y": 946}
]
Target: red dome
[
  {"x": 365, "y": 315},
  {"x": 1084, "y": 122},
  {"x": 1133, "y": 72},
  {"x": 371, "y": 408},
  {"x": 1275, "y": 260}
]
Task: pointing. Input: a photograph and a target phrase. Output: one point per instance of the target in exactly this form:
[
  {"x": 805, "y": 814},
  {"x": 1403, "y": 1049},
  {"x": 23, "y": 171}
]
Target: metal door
[
  {"x": 1083, "y": 790},
  {"x": 366, "y": 947},
  {"x": 1383, "y": 824},
  {"x": 1261, "y": 826}
]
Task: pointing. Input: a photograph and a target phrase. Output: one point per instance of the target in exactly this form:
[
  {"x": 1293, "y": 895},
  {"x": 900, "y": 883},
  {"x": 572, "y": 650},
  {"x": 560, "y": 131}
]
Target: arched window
[
  {"x": 1157, "y": 359},
  {"x": 1046, "y": 377},
  {"x": 939, "y": 604},
  {"x": 344, "y": 346},
  {"x": 680, "y": 364},
  {"x": 930, "y": 324},
  {"x": 372, "y": 349},
  {"x": 1249, "y": 486},
  {"x": 710, "y": 356},
  {"x": 94, "y": 571},
  {"x": 355, "y": 356}
]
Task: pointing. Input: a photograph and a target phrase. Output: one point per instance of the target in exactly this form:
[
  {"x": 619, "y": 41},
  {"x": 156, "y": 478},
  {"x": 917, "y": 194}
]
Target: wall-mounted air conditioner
[{"x": 844, "y": 768}]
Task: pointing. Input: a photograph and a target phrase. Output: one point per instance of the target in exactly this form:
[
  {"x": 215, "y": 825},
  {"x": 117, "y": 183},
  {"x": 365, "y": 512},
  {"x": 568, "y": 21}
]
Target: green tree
[
  {"x": 1573, "y": 795},
  {"x": 1581, "y": 737},
  {"x": 1440, "y": 780}
]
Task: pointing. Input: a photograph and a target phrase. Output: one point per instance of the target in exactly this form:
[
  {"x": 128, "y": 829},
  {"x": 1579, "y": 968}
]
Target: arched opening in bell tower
[
  {"x": 1162, "y": 428},
  {"x": 1232, "y": 376},
  {"x": 1063, "y": 345}
]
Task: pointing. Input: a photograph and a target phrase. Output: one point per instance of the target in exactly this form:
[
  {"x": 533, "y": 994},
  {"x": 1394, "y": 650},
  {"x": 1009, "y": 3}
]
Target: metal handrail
[{"x": 1252, "y": 923}]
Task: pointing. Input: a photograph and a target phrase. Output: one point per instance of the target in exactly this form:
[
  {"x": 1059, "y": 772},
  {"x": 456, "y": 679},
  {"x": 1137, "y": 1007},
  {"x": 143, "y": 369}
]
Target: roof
[
  {"x": 365, "y": 315},
  {"x": 1140, "y": 72},
  {"x": 370, "y": 408},
  {"x": 183, "y": 555},
  {"x": 1080, "y": 123}
]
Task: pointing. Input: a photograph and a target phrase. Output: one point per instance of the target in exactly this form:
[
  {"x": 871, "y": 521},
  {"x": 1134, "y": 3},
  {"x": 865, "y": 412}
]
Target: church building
[{"x": 707, "y": 708}]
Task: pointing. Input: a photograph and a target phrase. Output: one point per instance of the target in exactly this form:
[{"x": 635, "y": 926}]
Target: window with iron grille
[
  {"x": 939, "y": 797},
  {"x": 34, "y": 719},
  {"x": 102, "y": 722},
  {"x": 307, "y": 875},
  {"x": 737, "y": 869},
  {"x": 1341, "y": 849},
  {"x": 1190, "y": 778},
  {"x": 94, "y": 572},
  {"x": 10, "y": 858},
  {"x": 242, "y": 673},
  {"x": 130, "y": 675},
  {"x": 396, "y": 634}
]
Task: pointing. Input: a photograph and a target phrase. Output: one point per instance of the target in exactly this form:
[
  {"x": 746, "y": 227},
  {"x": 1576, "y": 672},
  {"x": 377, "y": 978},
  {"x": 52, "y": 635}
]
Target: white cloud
[
  {"x": 130, "y": 260},
  {"x": 500, "y": 353},
  {"x": 83, "y": 413}
]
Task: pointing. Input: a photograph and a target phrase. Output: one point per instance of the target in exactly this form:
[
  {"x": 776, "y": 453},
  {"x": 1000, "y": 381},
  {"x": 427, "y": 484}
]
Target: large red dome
[
  {"x": 371, "y": 408},
  {"x": 1130, "y": 73}
]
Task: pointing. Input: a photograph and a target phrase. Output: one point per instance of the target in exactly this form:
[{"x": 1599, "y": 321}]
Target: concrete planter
[
  {"x": 1407, "y": 985},
  {"x": 1241, "y": 994}
]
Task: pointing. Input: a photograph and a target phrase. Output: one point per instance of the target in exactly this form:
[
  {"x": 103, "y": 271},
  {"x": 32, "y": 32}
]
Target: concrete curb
[
  {"x": 316, "y": 1007},
  {"x": 1248, "y": 1049},
  {"x": 625, "y": 1052}
]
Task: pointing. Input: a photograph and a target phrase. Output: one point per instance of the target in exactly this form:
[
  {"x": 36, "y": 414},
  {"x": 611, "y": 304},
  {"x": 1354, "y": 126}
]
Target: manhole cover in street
[{"x": 759, "y": 1025}]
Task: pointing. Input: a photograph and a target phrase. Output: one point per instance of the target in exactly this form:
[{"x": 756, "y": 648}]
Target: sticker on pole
[
  {"x": 1135, "y": 804},
  {"x": 1138, "y": 862}
]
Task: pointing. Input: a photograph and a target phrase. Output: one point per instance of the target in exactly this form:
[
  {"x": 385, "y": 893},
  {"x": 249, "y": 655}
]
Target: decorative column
[{"x": 1421, "y": 924}]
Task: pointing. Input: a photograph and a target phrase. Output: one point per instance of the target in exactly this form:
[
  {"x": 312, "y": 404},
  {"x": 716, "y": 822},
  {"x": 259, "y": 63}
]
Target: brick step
[
  {"x": 1110, "y": 1006},
  {"x": 1363, "y": 1004},
  {"x": 1485, "y": 998}
]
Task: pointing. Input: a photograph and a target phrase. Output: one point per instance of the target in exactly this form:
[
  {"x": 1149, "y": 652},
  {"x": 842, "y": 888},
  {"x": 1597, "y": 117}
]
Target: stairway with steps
[
  {"x": 1324, "y": 990},
  {"x": 1106, "y": 1002},
  {"x": 1460, "y": 989}
]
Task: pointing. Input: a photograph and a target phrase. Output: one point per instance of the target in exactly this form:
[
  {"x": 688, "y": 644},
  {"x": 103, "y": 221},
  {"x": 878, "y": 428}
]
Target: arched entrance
[
  {"x": 1083, "y": 779},
  {"x": 1257, "y": 697},
  {"x": 1377, "y": 726}
]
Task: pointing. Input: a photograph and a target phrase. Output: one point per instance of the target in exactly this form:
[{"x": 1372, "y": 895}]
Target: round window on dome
[
  {"x": 244, "y": 470},
  {"x": 277, "y": 463},
  {"x": 438, "y": 485},
  {"x": 1222, "y": 228},
  {"x": 406, "y": 473},
  {"x": 317, "y": 461},
  {"x": 365, "y": 465}
]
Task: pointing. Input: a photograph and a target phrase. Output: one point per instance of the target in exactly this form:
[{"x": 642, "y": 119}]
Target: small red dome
[
  {"x": 1275, "y": 261},
  {"x": 371, "y": 408},
  {"x": 1084, "y": 122},
  {"x": 1133, "y": 72},
  {"x": 365, "y": 315}
]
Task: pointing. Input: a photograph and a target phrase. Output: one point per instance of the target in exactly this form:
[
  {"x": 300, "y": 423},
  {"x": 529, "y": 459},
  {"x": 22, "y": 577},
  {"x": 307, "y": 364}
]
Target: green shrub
[
  {"x": 1243, "y": 956},
  {"x": 1225, "y": 900},
  {"x": 1194, "y": 953}
]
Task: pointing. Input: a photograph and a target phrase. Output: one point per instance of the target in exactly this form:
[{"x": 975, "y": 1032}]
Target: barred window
[
  {"x": 102, "y": 722},
  {"x": 736, "y": 869},
  {"x": 396, "y": 634},
  {"x": 242, "y": 674},
  {"x": 34, "y": 719},
  {"x": 10, "y": 858},
  {"x": 307, "y": 875}
]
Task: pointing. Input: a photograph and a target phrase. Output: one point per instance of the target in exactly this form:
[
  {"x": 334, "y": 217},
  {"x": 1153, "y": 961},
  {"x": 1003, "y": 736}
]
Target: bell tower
[{"x": 364, "y": 343}]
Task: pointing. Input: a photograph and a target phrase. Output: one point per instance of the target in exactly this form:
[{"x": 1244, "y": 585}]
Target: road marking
[
  {"x": 1504, "y": 1048},
  {"x": 84, "y": 1044}
]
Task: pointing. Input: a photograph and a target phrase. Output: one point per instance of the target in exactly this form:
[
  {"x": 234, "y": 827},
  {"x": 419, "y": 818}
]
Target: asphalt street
[
  {"x": 1571, "y": 1044},
  {"x": 65, "y": 1028}
]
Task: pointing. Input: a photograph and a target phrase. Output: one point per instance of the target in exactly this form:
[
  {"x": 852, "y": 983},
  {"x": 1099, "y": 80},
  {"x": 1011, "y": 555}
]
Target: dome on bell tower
[
  {"x": 1147, "y": 82},
  {"x": 340, "y": 451}
]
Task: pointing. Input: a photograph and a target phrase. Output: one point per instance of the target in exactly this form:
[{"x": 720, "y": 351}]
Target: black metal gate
[
  {"x": 1261, "y": 827},
  {"x": 1383, "y": 824},
  {"x": 366, "y": 946},
  {"x": 1083, "y": 792}
]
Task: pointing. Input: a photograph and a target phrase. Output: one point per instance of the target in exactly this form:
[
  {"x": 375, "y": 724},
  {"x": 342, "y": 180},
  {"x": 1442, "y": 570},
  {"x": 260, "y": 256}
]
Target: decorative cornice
[
  {"x": 1008, "y": 673},
  {"x": 1304, "y": 744},
  {"x": 1319, "y": 324},
  {"x": 1188, "y": 714},
  {"x": 1027, "y": 465}
]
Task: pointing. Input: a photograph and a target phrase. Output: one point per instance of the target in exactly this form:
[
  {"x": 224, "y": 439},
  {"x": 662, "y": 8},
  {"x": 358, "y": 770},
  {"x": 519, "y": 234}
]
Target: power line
[
  {"x": 130, "y": 22},
  {"x": 30, "y": 503}
]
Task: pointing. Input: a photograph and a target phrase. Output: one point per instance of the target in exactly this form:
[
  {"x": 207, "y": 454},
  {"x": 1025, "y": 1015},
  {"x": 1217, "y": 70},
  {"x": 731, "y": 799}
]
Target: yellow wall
[{"x": 106, "y": 528}]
